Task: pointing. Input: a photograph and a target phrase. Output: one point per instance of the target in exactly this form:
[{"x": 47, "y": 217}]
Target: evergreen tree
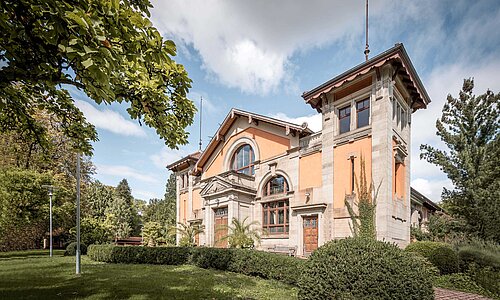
[
  {"x": 163, "y": 211},
  {"x": 469, "y": 127}
]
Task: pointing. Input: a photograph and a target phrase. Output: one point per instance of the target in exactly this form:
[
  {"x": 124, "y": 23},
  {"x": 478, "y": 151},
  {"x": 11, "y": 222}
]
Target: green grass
[{"x": 34, "y": 275}]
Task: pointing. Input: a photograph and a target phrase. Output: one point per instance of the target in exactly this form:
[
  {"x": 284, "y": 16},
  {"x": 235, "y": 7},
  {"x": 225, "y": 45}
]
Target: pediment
[{"x": 219, "y": 185}]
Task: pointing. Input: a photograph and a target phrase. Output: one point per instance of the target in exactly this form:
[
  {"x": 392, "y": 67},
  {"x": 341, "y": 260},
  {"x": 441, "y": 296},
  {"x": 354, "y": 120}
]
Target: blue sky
[{"x": 261, "y": 55}]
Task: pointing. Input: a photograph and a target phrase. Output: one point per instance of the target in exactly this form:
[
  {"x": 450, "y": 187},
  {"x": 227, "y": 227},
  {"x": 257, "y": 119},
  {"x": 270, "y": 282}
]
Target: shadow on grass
[{"x": 45, "y": 278}]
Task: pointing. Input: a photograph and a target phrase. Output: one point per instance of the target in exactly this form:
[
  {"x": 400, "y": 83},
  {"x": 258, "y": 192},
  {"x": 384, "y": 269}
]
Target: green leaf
[{"x": 87, "y": 63}]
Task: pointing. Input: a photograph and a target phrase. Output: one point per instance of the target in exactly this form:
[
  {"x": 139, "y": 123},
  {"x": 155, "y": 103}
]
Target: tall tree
[
  {"x": 107, "y": 49},
  {"x": 469, "y": 127}
]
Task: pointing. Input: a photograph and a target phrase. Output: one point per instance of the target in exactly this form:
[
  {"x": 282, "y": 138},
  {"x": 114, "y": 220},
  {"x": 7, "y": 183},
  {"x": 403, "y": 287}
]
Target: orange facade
[
  {"x": 183, "y": 207},
  {"x": 269, "y": 144},
  {"x": 343, "y": 157},
  {"x": 310, "y": 171}
]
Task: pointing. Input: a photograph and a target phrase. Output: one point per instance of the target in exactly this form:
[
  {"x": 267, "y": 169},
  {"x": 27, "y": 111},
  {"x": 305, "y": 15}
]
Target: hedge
[
  {"x": 245, "y": 261},
  {"x": 441, "y": 255},
  {"x": 357, "y": 268},
  {"x": 480, "y": 257},
  {"x": 139, "y": 255},
  {"x": 250, "y": 262}
]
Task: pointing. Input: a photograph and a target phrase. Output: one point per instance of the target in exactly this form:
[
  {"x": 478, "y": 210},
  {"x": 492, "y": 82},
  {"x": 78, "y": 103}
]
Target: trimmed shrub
[
  {"x": 356, "y": 268},
  {"x": 71, "y": 249},
  {"x": 483, "y": 258},
  {"x": 439, "y": 254},
  {"x": 102, "y": 253},
  {"x": 140, "y": 255},
  {"x": 211, "y": 258},
  {"x": 250, "y": 262},
  {"x": 267, "y": 265}
]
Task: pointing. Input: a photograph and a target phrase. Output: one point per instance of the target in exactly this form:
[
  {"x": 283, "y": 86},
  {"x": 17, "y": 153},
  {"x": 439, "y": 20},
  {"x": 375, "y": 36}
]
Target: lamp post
[
  {"x": 78, "y": 214},
  {"x": 50, "y": 189}
]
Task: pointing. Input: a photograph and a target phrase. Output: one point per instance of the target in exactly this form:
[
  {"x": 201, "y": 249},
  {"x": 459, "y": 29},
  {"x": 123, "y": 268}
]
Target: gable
[{"x": 268, "y": 141}]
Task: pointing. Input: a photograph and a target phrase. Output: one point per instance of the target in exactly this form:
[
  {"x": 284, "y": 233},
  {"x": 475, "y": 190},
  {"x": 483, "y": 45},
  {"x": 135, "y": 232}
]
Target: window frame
[
  {"x": 267, "y": 210},
  {"x": 367, "y": 99},
  {"x": 251, "y": 159},
  {"x": 267, "y": 187},
  {"x": 349, "y": 108}
]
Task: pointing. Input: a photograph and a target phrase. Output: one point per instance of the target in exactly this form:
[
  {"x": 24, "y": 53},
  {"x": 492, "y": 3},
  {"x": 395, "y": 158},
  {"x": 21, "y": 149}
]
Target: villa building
[{"x": 294, "y": 182}]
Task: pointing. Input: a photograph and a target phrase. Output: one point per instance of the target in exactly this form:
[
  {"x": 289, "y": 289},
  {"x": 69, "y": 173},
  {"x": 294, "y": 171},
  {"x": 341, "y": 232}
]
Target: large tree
[
  {"x": 469, "y": 127},
  {"x": 105, "y": 48}
]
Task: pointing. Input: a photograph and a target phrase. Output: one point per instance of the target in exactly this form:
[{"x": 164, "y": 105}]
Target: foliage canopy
[{"x": 107, "y": 49}]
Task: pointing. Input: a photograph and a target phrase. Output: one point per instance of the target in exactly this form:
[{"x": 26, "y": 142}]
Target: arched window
[
  {"x": 276, "y": 185},
  {"x": 243, "y": 160}
]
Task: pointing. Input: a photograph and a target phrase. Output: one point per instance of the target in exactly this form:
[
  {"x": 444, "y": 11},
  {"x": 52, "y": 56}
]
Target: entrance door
[
  {"x": 310, "y": 230},
  {"x": 220, "y": 227}
]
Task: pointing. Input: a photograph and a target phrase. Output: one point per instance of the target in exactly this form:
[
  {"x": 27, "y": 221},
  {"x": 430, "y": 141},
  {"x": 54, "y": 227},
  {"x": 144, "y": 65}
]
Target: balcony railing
[{"x": 310, "y": 141}]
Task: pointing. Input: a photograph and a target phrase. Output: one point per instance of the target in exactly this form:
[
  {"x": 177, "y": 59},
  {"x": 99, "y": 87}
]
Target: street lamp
[
  {"x": 50, "y": 189},
  {"x": 78, "y": 214}
]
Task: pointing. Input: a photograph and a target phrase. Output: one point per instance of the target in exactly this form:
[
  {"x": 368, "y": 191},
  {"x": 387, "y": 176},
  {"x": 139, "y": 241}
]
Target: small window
[
  {"x": 276, "y": 185},
  {"x": 352, "y": 174},
  {"x": 398, "y": 114},
  {"x": 275, "y": 217},
  {"x": 403, "y": 118},
  {"x": 345, "y": 119},
  {"x": 363, "y": 112},
  {"x": 243, "y": 160}
]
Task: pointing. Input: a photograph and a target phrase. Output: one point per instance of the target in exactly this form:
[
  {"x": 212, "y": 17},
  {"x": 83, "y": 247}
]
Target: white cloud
[
  {"x": 431, "y": 188},
  {"x": 248, "y": 44},
  {"x": 313, "y": 121},
  {"x": 125, "y": 172},
  {"x": 167, "y": 156},
  {"x": 110, "y": 120},
  {"x": 145, "y": 195}
]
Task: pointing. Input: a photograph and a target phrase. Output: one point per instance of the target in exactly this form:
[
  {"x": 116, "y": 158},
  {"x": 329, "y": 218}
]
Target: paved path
[{"x": 443, "y": 294}]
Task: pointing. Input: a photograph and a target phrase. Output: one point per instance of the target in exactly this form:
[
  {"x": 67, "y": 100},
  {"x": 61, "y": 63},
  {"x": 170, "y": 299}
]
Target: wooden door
[
  {"x": 220, "y": 227},
  {"x": 310, "y": 230}
]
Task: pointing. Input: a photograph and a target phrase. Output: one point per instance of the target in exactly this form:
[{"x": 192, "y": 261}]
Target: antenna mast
[
  {"x": 367, "y": 50},
  {"x": 201, "y": 117}
]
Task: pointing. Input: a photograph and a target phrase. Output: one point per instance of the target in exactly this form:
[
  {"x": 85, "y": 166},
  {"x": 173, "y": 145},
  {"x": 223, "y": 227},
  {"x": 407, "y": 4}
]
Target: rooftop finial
[{"x": 367, "y": 50}]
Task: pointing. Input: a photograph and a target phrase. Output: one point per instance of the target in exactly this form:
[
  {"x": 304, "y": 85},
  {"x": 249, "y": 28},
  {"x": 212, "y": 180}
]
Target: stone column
[
  {"x": 382, "y": 152},
  {"x": 328, "y": 132}
]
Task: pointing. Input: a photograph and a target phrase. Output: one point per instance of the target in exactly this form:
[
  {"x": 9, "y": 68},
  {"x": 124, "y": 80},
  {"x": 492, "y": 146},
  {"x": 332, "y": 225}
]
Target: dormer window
[
  {"x": 243, "y": 160},
  {"x": 345, "y": 119}
]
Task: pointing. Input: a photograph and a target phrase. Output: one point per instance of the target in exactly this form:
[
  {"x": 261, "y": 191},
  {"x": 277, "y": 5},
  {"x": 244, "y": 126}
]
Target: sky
[{"x": 261, "y": 56}]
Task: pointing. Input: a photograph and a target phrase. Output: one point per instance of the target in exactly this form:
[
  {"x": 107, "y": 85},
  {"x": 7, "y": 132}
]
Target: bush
[
  {"x": 140, "y": 255},
  {"x": 481, "y": 257},
  {"x": 439, "y": 254},
  {"x": 355, "y": 268},
  {"x": 211, "y": 258},
  {"x": 460, "y": 282},
  {"x": 250, "y": 262},
  {"x": 71, "y": 249}
]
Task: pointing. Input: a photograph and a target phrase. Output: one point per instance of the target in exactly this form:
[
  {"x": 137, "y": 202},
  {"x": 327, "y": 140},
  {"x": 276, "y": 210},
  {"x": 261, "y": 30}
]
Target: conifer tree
[{"x": 469, "y": 127}]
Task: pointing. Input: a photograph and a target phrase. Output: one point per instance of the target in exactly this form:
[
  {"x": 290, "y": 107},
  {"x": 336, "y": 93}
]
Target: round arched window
[
  {"x": 276, "y": 185},
  {"x": 243, "y": 160}
]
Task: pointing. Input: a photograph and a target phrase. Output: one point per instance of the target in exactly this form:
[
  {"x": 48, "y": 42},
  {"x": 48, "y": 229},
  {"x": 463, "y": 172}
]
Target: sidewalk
[{"x": 443, "y": 294}]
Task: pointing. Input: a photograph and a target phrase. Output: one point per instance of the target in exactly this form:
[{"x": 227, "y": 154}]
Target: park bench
[{"x": 290, "y": 251}]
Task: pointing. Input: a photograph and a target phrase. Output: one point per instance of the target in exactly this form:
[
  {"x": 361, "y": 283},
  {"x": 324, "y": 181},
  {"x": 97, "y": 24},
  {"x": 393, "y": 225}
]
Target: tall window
[
  {"x": 363, "y": 112},
  {"x": 276, "y": 216},
  {"x": 345, "y": 119},
  {"x": 243, "y": 160},
  {"x": 277, "y": 185}
]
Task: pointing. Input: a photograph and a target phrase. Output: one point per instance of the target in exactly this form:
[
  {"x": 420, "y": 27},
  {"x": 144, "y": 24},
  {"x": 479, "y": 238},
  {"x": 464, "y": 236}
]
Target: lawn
[{"x": 34, "y": 275}]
